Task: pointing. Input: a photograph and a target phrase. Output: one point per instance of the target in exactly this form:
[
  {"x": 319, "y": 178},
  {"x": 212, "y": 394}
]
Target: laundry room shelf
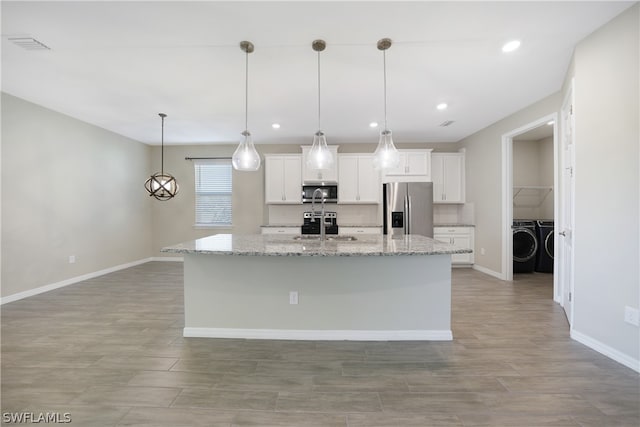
[{"x": 530, "y": 196}]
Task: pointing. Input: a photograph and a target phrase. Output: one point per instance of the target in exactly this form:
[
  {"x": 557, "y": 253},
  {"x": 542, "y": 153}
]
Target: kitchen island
[{"x": 292, "y": 287}]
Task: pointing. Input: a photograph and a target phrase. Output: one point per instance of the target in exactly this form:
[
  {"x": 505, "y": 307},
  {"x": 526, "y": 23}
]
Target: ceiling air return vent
[
  {"x": 29, "y": 43},
  {"x": 446, "y": 123}
]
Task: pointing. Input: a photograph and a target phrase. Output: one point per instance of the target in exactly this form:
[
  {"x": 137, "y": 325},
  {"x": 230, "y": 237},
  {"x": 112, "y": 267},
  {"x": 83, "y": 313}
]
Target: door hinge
[{"x": 569, "y": 296}]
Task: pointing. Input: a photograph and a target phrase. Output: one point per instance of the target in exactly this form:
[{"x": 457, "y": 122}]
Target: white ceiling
[{"x": 117, "y": 64}]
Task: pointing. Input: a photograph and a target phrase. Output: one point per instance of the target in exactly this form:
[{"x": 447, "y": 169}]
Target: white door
[{"x": 565, "y": 231}]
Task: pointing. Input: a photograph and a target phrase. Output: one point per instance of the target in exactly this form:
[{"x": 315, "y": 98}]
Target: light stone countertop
[{"x": 278, "y": 245}]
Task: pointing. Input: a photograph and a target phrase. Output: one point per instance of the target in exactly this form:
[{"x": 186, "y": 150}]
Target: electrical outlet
[
  {"x": 72, "y": 259},
  {"x": 293, "y": 297},
  {"x": 632, "y": 315},
  {"x": 482, "y": 251}
]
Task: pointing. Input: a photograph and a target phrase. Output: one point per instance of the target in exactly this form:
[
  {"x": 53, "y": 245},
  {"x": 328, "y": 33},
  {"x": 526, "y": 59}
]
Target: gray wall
[
  {"x": 533, "y": 166},
  {"x": 484, "y": 178},
  {"x": 68, "y": 188},
  {"x": 607, "y": 183}
]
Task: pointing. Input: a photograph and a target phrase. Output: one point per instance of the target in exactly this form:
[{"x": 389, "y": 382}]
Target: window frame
[{"x": 197, "y": 163}]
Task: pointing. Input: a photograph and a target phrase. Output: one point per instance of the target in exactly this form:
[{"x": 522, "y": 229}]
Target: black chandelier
[{"x": 162, "y": 186}]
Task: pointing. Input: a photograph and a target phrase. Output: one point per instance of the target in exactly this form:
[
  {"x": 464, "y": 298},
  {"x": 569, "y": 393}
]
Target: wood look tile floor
[{"x": 109, "y": 352}]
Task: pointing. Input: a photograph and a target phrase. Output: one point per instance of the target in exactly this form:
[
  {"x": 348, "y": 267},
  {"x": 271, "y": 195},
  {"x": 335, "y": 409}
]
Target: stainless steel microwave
[{"x": 329, "y": 193}]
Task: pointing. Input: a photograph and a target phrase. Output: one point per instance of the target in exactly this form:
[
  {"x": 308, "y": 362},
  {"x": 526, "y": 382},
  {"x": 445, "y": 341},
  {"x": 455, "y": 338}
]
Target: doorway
[{"x": 530, "y": 175}]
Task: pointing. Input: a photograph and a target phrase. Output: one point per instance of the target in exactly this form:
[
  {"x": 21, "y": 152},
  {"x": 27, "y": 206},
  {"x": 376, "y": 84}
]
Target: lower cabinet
[
  {"x": 461, "y": 237},
  {"x": 354, "y": 231},
  {"x": 280, "y": 230}
]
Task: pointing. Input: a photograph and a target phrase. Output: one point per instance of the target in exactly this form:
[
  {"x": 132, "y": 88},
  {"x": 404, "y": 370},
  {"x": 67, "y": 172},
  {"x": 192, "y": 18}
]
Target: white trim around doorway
[{"x": 507, "y": 193}]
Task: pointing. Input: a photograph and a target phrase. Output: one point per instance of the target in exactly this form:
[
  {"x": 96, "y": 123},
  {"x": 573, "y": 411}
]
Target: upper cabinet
[
  {"x": 359, "y": 182},
  {"x": 415, "y": 166},
  {"x": 314, "y": 175},
  {"x": 283, "y": 179},
  {"x": 447, "y": 172}
]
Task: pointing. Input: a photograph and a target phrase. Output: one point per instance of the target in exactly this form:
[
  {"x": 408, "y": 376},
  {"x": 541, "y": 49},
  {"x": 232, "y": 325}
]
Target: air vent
[
  {"x": 29, "y": 43},
  {"x": 446, "y": 123}
]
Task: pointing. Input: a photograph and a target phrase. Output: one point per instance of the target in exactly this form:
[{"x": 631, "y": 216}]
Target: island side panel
[{"x": 351, "y": 297}]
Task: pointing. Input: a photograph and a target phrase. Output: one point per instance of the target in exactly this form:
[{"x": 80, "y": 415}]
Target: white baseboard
[
  {"x": 320, "y": 335},
  {"x": 485, "y": 270},
  {"x": 610, "y": 352},
  {"x": 71, "y": 281},
  {"x": 167, "y": 258}
]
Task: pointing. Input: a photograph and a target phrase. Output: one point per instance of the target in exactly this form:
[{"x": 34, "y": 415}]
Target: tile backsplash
[{"x": 367, "y": 214}]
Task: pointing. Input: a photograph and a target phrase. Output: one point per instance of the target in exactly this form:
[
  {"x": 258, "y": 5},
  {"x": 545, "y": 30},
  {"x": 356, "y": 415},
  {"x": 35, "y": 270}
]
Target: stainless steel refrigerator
[{"x": 408, "y": 208}]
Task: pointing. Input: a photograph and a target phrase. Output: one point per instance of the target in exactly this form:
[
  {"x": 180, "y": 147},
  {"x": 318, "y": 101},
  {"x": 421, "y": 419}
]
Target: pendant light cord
[
  {"x": 384, "y": 62},
  {"x": 246, "y": 92},
  {"x": 162, "y": 147},
  {"x": 319, "y": 91}
]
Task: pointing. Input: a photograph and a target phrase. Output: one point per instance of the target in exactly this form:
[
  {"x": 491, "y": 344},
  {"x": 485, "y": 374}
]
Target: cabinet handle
[{"x": 280, "y": 231}]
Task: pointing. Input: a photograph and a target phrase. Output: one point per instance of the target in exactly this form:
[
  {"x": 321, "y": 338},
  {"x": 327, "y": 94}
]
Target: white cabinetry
[
  {"x": 282, "y": 179},
  {"x": 355, "y": 231},
  {"x": 280, "y": 230},
  {"x": 447, "y": 172},
  {"x": 358, "y": 181},
  {"x": 461, "y": 237},
  {"x": 314, "y": 175},
  {"x": 415, "y": 166}
]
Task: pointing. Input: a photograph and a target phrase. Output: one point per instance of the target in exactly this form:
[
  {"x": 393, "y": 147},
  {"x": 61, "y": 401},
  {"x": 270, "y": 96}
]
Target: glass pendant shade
[
  {"x": 246, "y": 158},
  {"x": 319, "y": 157},
  {"x": 386, "y": 155},
  {"x": 162, "y": 186}
]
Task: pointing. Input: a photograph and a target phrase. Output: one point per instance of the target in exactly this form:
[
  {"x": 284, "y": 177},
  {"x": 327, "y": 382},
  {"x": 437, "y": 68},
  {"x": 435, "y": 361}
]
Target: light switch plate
[
  {"x": 632, "y": 315},
  {"x": 293, "y": 297}
]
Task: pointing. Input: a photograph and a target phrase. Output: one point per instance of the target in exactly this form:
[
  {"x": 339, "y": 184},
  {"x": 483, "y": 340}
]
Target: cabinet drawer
[
  {"x": 353, "y": 231},
  {"x": 452, "y": 230},
  {"x": 280, "y": 230}
]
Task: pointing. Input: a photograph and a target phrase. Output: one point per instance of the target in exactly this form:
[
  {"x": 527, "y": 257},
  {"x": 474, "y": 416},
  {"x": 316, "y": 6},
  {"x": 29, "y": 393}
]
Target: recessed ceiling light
[
  {"x": 550, "y": 122},
  {"x": 442, "y": 106},
  {"x": 511, "y": 46},
  {"x": 276, "y": 125},
  {"x": 373, "y": 125}
]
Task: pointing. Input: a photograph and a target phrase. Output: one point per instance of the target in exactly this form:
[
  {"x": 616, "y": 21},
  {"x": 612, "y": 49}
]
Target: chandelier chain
[{"x": 162, "y": 115}]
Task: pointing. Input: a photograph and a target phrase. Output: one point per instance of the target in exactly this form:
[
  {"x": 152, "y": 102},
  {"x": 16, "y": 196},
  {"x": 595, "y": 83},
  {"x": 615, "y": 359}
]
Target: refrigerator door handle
[{"x": 407, "y": 211}]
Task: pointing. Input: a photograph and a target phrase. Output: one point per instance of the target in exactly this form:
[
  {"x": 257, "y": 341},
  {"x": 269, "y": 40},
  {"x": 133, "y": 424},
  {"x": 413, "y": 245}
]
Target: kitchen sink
[{"x": 330, "y": 238}]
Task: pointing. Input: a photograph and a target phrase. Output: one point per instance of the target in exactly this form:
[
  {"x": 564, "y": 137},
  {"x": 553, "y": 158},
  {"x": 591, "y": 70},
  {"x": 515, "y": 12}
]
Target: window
[{"x": 213, "y": 192}]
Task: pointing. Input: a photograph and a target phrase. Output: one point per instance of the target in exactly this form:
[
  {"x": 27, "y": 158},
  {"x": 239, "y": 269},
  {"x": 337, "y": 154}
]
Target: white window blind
[{"x": 213, "y": 192}]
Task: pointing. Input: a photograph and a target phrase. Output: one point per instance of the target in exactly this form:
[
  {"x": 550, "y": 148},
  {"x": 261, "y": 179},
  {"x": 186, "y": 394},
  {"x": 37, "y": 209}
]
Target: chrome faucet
[{"x": 313, "y": 211}]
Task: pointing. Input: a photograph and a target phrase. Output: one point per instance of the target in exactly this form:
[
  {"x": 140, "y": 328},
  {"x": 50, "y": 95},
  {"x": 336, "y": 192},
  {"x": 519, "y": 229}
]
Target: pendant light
[
  {"x": 162, "y": 186},
  {"x": 319, "y": 157},
  {"x": 386, "y": 155},
  {"x": 246, "y": 158}
]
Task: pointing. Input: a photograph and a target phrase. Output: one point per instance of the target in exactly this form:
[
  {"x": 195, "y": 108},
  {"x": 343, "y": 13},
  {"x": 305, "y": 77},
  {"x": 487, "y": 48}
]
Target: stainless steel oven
[
  {"x": 329, "y": 193},
  {"x": 313, "y": 227}
]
